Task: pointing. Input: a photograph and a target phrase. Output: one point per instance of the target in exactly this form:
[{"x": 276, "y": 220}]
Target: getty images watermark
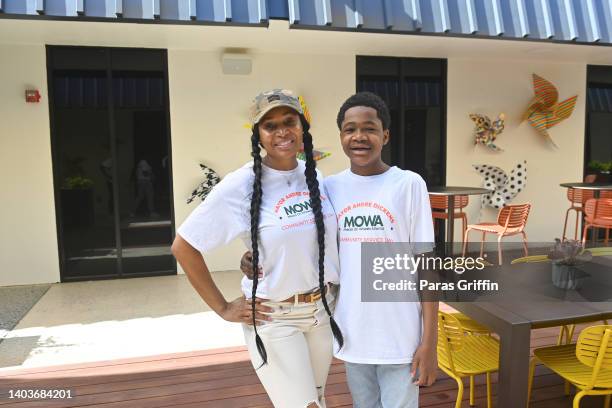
[{"x": 403, "y": 272}]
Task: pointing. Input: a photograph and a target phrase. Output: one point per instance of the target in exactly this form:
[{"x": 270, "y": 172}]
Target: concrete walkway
[{"x": 102, "y": 320}]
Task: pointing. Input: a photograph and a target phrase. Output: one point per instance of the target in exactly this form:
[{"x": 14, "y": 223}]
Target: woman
[{"x": 274, "y": 204}]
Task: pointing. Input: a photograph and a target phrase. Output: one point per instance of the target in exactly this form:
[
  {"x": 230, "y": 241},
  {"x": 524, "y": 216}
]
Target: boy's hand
[
  {"x": 425, "y": 361},
  {"x": 246, "y": 265}
]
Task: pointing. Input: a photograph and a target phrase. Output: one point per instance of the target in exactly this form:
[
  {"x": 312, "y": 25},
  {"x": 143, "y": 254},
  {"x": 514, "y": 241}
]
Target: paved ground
[
  {"x": 102, "y": 320},
  {"x": 16, "y": 302}
]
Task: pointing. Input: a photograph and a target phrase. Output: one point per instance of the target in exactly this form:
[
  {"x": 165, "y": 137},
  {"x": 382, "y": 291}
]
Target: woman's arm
[{"x": 199, "y": 276}]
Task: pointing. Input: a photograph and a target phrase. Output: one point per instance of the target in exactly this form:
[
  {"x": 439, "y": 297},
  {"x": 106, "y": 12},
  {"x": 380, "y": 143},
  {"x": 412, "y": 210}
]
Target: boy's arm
[{"x": 425, "y": 359}]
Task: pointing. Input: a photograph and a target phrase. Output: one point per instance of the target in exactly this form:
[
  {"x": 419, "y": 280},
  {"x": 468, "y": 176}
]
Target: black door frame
[
  {"x": 55, "y": 157},
  {"x": 593, "y": 78},
  {"x": 403, "y": 75},
  {"x": 402, "y": 103}
]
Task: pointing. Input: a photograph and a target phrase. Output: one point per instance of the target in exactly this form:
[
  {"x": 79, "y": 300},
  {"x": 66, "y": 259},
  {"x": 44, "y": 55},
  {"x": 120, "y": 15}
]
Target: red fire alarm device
[{"x": 32, "y": 95}]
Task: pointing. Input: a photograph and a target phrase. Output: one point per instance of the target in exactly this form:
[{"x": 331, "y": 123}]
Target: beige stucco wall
[
  {"x": 494, "y": 86},
  {"x": 28, "y": 242},
  {"x": 209, "y": 110}
]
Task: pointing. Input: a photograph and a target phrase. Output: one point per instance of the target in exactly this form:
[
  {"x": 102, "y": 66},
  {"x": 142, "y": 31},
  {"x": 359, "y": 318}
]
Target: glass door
[
  {"x": 112, "y": 167},
  {"x": 415, "y": 91}
]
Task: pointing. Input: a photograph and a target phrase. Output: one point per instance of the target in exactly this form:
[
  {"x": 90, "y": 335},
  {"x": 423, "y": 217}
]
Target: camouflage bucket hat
[{"x": 266, "y": 101}]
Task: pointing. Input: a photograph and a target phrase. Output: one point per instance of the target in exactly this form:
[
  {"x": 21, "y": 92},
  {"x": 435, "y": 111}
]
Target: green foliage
[
  {"x": 569, "y": 252},
  {"x": 596, "y": 165},
  {"x": 78, "y": 183}
]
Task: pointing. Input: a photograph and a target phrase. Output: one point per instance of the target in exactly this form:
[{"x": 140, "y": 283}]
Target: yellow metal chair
[
  {"x": 587, "y": 364},
  {"x": 461, "y": 355},
  {"x": 600, "y": 251},
  {"x": 532, "y": 258}
]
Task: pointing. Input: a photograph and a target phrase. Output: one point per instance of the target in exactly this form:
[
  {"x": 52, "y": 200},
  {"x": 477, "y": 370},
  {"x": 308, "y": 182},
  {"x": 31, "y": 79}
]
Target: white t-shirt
[
  {"x": 397, "y": 203},
  {"x": 288, "y": 246}
]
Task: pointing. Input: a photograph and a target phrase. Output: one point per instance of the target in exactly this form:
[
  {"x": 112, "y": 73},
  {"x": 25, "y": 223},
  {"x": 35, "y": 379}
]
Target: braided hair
[
  {"x": 255, "y": 206},
  {"x": 315, "y": 203}
]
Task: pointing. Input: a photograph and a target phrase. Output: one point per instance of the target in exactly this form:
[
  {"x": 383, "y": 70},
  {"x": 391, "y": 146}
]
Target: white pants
[{"x": 298, "y": 342}]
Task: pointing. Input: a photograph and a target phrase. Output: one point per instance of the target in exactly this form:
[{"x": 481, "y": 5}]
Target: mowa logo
[
  {"x": 361, "y": 221},
  {"x": 297, "y": 209}
]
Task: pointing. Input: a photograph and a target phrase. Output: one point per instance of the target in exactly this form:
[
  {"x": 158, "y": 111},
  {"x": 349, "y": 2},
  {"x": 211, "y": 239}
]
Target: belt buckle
[{"x": 314, "y": 297}]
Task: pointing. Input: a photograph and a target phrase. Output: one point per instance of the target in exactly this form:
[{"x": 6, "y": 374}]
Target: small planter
[
  {"x": 567, "y": 277},
  {"x": 603, "y": 177}
]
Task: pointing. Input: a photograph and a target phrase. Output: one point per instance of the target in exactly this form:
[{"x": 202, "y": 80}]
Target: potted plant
[
  {"x": 78, "y": 183},
  {"x": 565, "y": 257},
  {"x": 77, "y": 195},
  {"x": 601, "y": 170}
]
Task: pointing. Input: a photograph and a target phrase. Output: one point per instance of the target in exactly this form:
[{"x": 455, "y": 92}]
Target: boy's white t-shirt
[
  {"x": 377, "y": 332},
  {"x": 288, "y": 246}
]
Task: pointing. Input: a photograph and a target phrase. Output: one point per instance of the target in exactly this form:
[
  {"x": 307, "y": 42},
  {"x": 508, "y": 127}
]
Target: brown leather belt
[{"x": 310, "y": 297}]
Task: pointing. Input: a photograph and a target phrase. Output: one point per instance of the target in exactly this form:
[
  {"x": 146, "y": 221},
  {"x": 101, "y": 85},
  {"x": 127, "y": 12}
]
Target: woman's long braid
[
  {"x": 315, "y": 203},
  {"x": 255, "y": 205}
]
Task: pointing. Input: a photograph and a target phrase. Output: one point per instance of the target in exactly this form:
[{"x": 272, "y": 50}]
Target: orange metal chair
[
  {"x": 598, "y": 214},
  {"x": 439, "y": 207},
  {"x": 577, "y": 199},
  {"x": 511, "y": 220}
]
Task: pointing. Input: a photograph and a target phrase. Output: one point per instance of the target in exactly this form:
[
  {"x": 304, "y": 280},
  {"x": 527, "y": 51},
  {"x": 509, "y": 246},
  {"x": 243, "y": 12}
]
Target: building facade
[{"x": 134, "y": 97}]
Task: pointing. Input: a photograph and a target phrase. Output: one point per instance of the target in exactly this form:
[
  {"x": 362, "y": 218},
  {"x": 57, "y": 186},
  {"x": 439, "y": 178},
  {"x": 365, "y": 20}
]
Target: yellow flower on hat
[{"x": 305, "y": 109}]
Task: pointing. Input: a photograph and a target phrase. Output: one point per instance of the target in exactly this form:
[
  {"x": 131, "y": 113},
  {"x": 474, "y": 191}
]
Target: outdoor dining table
[
  {"x": 513, "y": 316},
  {"x": 450, "y": 192},
  {"x": 596, "y": 188}
]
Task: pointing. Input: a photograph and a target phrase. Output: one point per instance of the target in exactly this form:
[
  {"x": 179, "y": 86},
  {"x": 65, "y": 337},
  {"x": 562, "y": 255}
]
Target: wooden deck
[{"x": 225, "y": 378}]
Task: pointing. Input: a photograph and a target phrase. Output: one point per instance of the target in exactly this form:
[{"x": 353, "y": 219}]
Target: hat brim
[{"x": 274, "y": 105}]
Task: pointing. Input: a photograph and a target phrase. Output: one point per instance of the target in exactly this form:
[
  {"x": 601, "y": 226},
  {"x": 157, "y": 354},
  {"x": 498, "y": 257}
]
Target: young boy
[{"x": 389, "y": 347}]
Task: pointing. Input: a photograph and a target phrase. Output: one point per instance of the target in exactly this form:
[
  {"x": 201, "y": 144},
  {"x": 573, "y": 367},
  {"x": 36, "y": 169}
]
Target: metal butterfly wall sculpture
[
  {"x": 486, "y": 131},
  {"x": 544, "y": 112},
  {"x": 211, "y": 178}
]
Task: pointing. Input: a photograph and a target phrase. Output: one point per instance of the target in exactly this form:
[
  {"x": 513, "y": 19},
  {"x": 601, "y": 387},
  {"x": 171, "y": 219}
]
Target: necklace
[{"x": 288, "y": 177}]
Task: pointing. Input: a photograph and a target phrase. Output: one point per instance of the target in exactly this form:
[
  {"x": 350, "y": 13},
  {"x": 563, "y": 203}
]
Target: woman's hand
[
  {"x": 246, "y": 265},
  {"x": 425, "y": 361},
  {"x": 239, "y": 311}
]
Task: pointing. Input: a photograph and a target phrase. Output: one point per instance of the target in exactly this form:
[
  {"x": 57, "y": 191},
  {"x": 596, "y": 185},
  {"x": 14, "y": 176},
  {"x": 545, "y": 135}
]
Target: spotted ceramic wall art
[{"x": 505, "y": 187}]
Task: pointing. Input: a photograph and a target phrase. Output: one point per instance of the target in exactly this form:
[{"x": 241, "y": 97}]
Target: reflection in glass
[{"x": 144, "y": 179}]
